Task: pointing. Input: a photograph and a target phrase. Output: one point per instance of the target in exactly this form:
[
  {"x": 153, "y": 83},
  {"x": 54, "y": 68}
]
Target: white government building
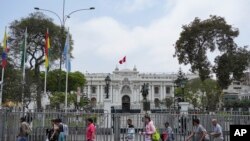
[{"x": 125, "y": 87}]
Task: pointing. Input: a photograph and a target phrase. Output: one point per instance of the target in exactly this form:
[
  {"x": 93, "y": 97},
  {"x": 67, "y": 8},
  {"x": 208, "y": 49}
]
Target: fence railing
[{"x": 113, "y": 127}]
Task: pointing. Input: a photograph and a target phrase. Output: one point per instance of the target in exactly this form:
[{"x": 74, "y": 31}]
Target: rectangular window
[
  {"x": 236, "y": 83},
  {"x": 156, "y": 90},
  {"x": 167, "y": 90},
  {"x": 93, "y": 89}
]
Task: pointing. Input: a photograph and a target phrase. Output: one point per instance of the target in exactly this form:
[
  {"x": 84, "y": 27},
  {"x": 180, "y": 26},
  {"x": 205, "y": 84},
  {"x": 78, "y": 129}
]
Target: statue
[{"x": 144, "y": 91}]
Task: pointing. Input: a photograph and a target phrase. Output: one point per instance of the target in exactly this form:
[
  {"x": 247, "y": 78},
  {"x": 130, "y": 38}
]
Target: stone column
[
  {"x": 89, "y": 91},
  {"x": 111, "y": 93},
  {"x": 162, "y": 92},
  {"x": 101, "y": 95},
  {"x": 117, "y": 94},
  {"x": 139, "y": 93},
  {"x": 151, "y": 98},
  {"x": 134, "y": 94},
  {"x": 97, "y": 92}
]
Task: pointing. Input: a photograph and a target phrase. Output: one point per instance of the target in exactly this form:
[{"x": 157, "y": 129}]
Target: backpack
[
  {"x": 171, "y": 135},
  {"x": 156, "y": 136},
  {"x": 65, "y": 129},
  {"x": 28, "y": 129}
]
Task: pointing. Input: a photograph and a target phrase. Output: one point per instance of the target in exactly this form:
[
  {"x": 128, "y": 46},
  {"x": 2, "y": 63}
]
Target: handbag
[
  {"x": 156, "y": 136},
  {"x": 206, "y": 138}
]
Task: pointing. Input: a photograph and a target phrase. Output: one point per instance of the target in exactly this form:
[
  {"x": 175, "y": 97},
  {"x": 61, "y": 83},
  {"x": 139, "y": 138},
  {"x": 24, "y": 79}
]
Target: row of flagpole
[{"x": 66, "y": 55}]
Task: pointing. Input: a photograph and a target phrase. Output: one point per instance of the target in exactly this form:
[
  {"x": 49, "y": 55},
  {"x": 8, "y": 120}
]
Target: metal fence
[{"x": 112, "y": 127}]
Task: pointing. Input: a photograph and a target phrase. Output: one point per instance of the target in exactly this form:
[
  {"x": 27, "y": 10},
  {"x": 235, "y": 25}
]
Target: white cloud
[{"x": 101, "y": 42}]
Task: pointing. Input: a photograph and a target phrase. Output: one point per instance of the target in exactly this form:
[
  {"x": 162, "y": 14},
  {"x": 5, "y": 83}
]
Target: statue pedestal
[
  {"x": 107, "y": 110},
  {"x": 184, "y": 108}
]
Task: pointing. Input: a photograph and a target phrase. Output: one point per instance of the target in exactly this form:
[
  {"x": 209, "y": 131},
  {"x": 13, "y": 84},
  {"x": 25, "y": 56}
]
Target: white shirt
[{"x": 218, "y": 129}]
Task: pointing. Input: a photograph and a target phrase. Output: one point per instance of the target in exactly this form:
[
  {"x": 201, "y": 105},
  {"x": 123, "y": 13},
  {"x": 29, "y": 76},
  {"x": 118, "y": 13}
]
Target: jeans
[
  {"x": 22, "y": 139},
  {"x": 61, "y": 137}
]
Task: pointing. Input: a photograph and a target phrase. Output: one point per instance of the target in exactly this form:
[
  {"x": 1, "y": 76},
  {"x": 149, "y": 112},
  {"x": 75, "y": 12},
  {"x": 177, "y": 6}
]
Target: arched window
[
  {"x": 93, "y": 101},
  {"x": 157, "y": 103},
  {"x": 156, "y": 88}
]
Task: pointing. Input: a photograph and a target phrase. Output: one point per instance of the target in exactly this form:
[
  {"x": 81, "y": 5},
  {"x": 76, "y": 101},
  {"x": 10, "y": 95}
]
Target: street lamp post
[
  {"x": 107, "y": 81},
  {"x": 174, "y": 96},
  {"x": 62, "y": 24},
  {"x": 183, "y": 93}
]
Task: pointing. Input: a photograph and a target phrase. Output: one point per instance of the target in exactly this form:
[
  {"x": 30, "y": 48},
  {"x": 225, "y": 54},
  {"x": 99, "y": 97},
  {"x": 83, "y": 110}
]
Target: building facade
[
  {"x": 237, "y": 91},
  {"x": 125, "y": 89}
]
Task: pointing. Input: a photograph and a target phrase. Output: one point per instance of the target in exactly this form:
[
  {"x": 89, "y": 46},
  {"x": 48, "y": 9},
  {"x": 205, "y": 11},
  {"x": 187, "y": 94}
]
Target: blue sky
[{"x": 143, "y": 30}]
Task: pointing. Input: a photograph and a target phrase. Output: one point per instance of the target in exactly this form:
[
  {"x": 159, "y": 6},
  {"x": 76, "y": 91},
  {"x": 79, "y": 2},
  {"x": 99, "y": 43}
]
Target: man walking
[
  {"x": 217, "y": 131},
  {"x": 131, "y": 131}
]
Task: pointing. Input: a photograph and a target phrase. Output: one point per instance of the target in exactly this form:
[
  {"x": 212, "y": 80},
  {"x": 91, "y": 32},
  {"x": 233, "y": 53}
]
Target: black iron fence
[{"x": 113, "y": 127}]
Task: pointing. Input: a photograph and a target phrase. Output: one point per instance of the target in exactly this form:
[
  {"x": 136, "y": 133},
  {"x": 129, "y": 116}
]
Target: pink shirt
[
  {"x": 90, "y": 131},
  {"x": 150, "y": 129}
]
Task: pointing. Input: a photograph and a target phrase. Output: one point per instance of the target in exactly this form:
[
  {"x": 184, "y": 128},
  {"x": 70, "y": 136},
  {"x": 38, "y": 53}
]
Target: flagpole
[
  {"x": 3, "y": 68},
  {"x": 126, "y": 66},
  {"x": 23, "y": 69},
  {"x": 45, "y": 84},
  {"x": 66, "y": 90},
  {"x": 66, "y": 48},
  {"x": 1, "y": 92},
  {"x": 46, "y": 47},
  {"x": 45, "y": 81}
]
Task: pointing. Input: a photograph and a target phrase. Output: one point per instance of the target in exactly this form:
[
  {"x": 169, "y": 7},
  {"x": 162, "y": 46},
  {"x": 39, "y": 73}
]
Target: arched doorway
[{"x": 125, "y": 104}]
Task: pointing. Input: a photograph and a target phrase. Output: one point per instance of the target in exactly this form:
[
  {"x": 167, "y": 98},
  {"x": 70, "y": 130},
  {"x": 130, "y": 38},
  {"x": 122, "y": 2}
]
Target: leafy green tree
[
  {"x": 58, "y": 98},
  {"x": 180, "y": 83},
  {"x": 168, "y": 102},
  {"x": 237, "y": 104},
  {"x": 208, "y": 92},
  {"x": 75, "y": 80},
  {"x": 212, "y": 34},
  {"x": 12, "y": 84},
  {"x": 36, "y": 24},
  {"x": 231, "y": 63}
]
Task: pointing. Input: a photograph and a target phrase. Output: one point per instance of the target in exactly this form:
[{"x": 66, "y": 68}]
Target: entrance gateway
[{"x": 125, "y": 104}]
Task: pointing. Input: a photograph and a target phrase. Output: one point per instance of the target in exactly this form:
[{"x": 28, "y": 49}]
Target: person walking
[
  {"x": 217, "y": 133},
  {"x": 199, "y": 132},
  {"x": 29, "y": 119},
  {"x": 149, "y": 129},
  {"x": 130, "y": 131},
  {"x": 52, "y": 133},
  {"x": 169, "y": 133},
  {"x": 91, "y": 130},
  {"x": 23, "y": 130},
  {"x": 60, "y": 131}
]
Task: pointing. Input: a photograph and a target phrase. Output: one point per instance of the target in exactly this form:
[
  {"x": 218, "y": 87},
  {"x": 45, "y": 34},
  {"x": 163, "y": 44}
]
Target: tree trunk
[{"x": 39, "y": 87}]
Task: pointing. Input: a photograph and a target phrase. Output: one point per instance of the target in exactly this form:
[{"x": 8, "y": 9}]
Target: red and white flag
[{"x": 123, "y": 60}]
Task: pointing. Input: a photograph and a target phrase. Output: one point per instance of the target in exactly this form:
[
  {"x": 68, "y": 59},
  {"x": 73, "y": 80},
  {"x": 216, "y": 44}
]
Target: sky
[{"x": 142, "y": 30}]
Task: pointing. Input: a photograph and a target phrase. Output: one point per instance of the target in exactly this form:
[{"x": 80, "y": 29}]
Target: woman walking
[{"x": 149, "y": 129}]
